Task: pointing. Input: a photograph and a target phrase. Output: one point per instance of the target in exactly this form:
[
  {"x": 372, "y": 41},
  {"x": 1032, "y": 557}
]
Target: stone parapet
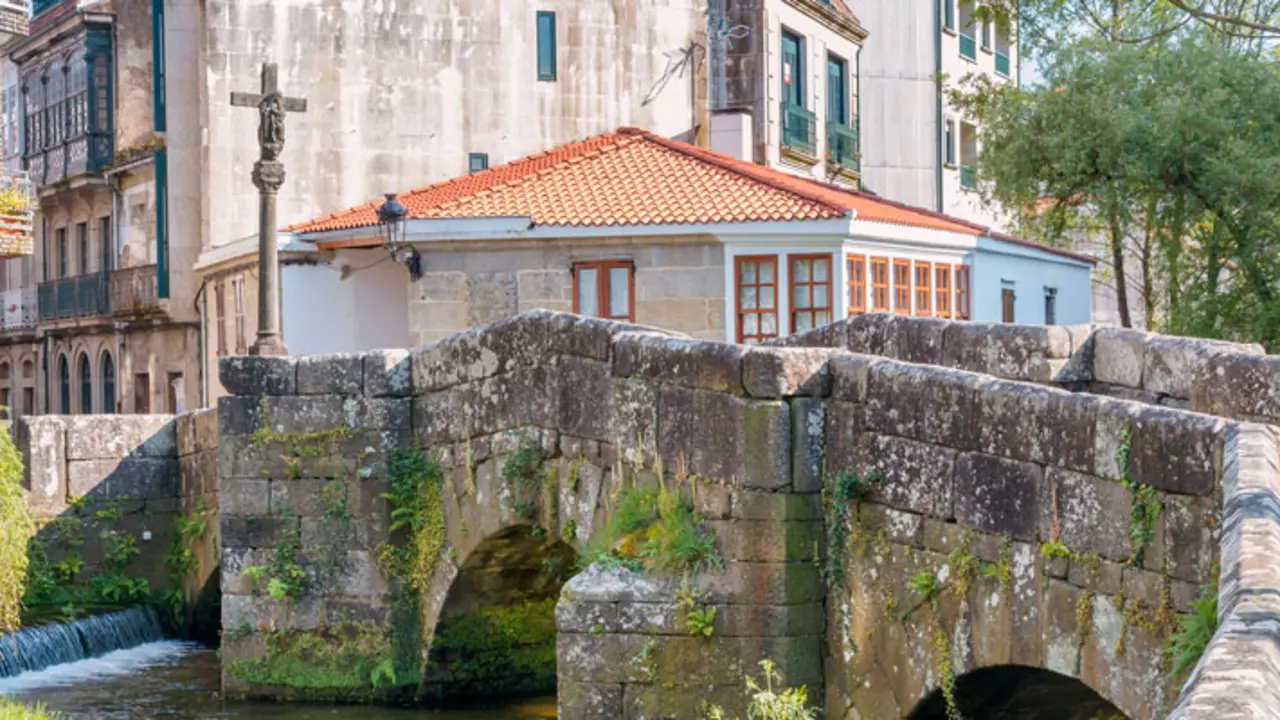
[{"x": 1239, "y": 674}]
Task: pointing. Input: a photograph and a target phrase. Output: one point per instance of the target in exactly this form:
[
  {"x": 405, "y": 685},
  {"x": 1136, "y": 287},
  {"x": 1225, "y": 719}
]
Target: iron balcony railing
[
  {"x": 968, "y": 180},
  {"x": 1002, "y": 64},
  {"x": 133, "y": 289},
  {"x": 799, "y": 129},
  {"x": 968, "y": 46},
  {"x": 842, "y": 146},
  {"x": 82, "y": 296}
]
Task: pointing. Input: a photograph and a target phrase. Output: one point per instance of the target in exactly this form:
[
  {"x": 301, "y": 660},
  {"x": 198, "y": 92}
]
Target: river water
[{"x": 179, "y": 681}]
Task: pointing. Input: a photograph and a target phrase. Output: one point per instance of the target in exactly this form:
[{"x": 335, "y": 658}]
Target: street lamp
[{"x": 391, "y": 219}]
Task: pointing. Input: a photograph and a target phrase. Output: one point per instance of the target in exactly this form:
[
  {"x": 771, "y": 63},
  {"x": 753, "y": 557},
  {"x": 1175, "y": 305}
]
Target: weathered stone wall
[
  {"x": 92, "y": 477},
  {"x": 1016, "y": 503},
  {"x": 199, "y": 498},
  {"x": 1239, "y": 674}
]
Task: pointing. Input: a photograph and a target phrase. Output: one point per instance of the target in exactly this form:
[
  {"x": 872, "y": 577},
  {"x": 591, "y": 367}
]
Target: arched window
[
  {"x": 4, "y": 371},
  {"x": 108, "y": 384},
  {"x": 28, "y": 370},
  {"x": 64, "y": 386},
  {"x": 86, "y": 385}
]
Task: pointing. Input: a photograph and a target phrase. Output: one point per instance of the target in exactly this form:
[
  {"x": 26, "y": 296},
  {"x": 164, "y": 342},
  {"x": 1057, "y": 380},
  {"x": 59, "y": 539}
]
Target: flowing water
[
  {"x": 173, "y": 680},
  {"x": 117, "y": 666}
]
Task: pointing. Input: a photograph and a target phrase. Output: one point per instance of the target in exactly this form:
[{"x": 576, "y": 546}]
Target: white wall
[
  {"x": 1029, "y": 272},
  {"x": 324, "y": 313}
]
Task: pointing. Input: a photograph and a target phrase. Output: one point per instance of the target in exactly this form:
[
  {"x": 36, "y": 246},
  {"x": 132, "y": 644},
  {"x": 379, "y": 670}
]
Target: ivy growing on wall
[{"x": 16, "y": 527}]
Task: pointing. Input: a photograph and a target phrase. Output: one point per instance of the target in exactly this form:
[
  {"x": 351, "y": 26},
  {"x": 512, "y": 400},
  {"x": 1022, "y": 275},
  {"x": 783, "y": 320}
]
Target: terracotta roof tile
[{"x": 633, "y": 177}]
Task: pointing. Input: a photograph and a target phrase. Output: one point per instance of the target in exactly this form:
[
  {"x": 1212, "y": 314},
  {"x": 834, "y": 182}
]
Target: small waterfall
[{"x": 56, "y": 643}]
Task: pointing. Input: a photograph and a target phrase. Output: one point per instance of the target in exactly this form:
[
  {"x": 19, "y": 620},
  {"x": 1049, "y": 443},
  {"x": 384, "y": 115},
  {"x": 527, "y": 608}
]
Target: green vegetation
[
  {"x": 654, "y": 529},
  {"x": 182, "y": 562},
  {"x": 16, "y": 527},
  {"x": 1194, "y": 633},
  {"x": 10, "y": 710},
  {"x": 348, "y": 656},
  {"x": 501, "y": 650},
  {"x": 768, "y": 703},
  {"x": 1145, "y": 504},
  {"x": 283, "y": 579},
  {"x": 842, "y": 497}
]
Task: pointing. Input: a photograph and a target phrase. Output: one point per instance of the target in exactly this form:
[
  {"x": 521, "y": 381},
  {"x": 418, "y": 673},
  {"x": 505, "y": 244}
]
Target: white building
[{"x": 918, "y": 149}]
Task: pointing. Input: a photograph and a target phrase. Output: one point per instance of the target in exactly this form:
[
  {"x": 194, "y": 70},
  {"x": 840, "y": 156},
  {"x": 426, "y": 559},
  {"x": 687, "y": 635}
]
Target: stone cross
[{"x": 268, "y": 176}]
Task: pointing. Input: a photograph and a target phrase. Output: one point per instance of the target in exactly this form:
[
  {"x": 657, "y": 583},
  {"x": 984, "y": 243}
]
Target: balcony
[
  {"x": 1002, "y": 63},
  {"x": 39, "y": 7},
  {"x": 75, "y": 297},
  {"x": 968, "y": 180},
  {"x": 133, "y": 290},
  {"x": 14, "y": 21},
  {"x": 18, "y": 309},
  {"x": 968, "y": 46},
  {"x": 842, "y": 147},
  {"x": 17, "y": 214},
  {"x": 799, "y": 130}
]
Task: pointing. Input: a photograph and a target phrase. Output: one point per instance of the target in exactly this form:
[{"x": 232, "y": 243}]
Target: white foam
[{"x": 113, "y": 664}]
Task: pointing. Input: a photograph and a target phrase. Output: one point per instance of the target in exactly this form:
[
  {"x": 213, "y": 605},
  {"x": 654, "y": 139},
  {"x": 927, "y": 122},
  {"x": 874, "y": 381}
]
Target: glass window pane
[
  {"x": 823, "y": 318},
  {"x": 820, "y": 271},
  {"x": 750, "y": 324},
  {"x": 588, "y": 303},
  {"x": 800, "y": 271},
  {"x": 748, "y": 298},
  {"x": 766, "y": 272},
  {"x": 821, "y": 295},
  {"x": 767, "y": 300},
  {"x": 749, "y": 273},
  {"x": 800, "y": 297},
  {"x": 803, "y": 322},
  {"x": 619, "y": 292},
  {"x": 769, "y": 324}
]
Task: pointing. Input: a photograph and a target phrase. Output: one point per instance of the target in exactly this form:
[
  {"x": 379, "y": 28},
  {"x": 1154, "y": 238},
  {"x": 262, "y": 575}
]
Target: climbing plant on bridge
[{"x": 16, "y": 528}]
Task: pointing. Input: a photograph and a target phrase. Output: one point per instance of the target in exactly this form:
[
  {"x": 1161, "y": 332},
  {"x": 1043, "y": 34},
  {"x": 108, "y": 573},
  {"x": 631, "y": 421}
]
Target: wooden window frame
[
  {"x": 792, "y": 284},
  {"x": 237, "y": 291},
  {"x": 602, "y": 268},
  {"x": 739, "y": 312},
  {"x": 857, "y": 288},
  {"x": 886, "y": 286},
  {"x": 899, "y": 292},
  {"x": 923, "y": 295},
  {"x": 942, "y": 288},
  {"x": 1008, "y": 305},
  {"x": 220, "y": 315},
  {"x": 963, "y": 293}
]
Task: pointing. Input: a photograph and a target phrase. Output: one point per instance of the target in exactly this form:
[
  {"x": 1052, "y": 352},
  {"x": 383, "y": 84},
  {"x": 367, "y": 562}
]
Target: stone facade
[{"x": 134, "y": 476}]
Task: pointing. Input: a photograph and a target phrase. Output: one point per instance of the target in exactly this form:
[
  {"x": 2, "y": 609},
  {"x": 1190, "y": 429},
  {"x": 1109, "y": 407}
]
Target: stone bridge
[{"x": 912, "y": 518}]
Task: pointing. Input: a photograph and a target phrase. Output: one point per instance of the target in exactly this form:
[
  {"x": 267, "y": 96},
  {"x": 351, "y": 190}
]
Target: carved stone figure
[{"x": 271, "y": 125}]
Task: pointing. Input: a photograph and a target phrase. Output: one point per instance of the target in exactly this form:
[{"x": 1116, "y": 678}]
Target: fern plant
[{"x": 1194, "y": 633}]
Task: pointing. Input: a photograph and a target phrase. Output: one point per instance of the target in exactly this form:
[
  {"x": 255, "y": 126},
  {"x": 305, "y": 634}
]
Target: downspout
[
  {"x": 857, "y": 112},
  {"x": 202, "y": 306},
  {"x": 113, "y": 182},
  {"x": 937, "y": 76}
]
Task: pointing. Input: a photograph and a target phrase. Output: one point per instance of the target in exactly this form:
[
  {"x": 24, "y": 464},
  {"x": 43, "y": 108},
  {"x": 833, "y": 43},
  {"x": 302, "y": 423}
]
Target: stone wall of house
[
  {"x": 101, "y": 481},
  {"x": 678, "y": 287}
]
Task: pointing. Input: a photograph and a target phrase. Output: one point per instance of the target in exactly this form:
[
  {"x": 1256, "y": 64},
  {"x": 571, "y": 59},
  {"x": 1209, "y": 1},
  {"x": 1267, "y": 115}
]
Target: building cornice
[{"x": 825, "y": 13}]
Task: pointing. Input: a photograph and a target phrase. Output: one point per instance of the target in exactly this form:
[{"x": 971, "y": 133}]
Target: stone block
[
  {"x": 784, "y": 372},
  {"x": 1182, "y": 595},
  {"x": 1119, "y": 356},
  {"x": 1015, "y": 352},
  {"x": 298, "y": 498},
  {"x": 42, "y": 441},
  {"x": 943, "y": 537},
  {"x": 920, "y": 340},
  {"x": 850, "y": 375},
  {"x": 245, "y": 496},
  {"x": 689, "y": 363},
  {"x": 874, "y": 334},
  {"x": 725, "y": 436},
  {"x": 1243, "y": 387},
  {"x": 1037, "y": 424},
  {"x": 900, "y": 527},
  {"x": 234, "y": 562},
  {"x": 589, "y": 337},
  {"x": 767, "y": 541},
  {"x": 1093, "y": 513},
  {"x": 1079, "y": 367},
  {"x": 525, "y": 397},
  {"x": 762, "y": 583},
  {"x": 481, "y": 352},
  {"x": 756, "y": 505},
  {"x": 1176, "y": 451},
  {"x": 131, "y": 478},
  {"x": 808, "y": 443},
  {"x": 258, "y": 375},
  {"x": 844, "y": 425},
  {"x": 651, "y": 618},
  {"x": 1143, "y": 586},
  {"x": 678, "y": 700},
  {"x": 1115, "y": 420},
  {"x": 576, "y": 699},
  {"x": 770, "y": 620},
  {"x": 369, "y": 413},
  {"x": 586, "y": 398},
  {"x": 338, "y": 374},
  {"x": 368, "y": 534},
  {"x": 601, "y": 658},
  {"x": 197, "y": 431},
  {"x": 1190, "y": 545},
  {"x": 929, "y": 404},
  {"x": 387, "y": 373},
  {"x": 833, "y": 335},
  {"x": 292, "y": 415},
  {"x": 256, "y": 532},
  {"x": 1102, "y": 577},
  {"x": 634, "y": 411},
  {"x": 918, "y": 476},
  {"x": 584, "y": 617},
  {"x": 1172, "y": 363},
  {"x": 99, "y": 437},
  {"x": 997, "y": 495}
]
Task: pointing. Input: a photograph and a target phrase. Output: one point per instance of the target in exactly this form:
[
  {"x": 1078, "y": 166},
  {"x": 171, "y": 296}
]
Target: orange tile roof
[{"x": 634, "y": 177}]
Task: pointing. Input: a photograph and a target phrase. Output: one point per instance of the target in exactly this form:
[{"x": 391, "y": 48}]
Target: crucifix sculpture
[{"x": 268, "y": 176}]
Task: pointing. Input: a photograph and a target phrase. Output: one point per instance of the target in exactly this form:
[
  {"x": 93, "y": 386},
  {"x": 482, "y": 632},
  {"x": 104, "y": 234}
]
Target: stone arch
[{"x": 1015, "y": 691}]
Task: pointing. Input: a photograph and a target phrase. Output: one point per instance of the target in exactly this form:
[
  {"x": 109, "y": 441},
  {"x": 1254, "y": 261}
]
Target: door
[
  {"x": 792, "y": 70},
  {"x": 837, "y": 92}
]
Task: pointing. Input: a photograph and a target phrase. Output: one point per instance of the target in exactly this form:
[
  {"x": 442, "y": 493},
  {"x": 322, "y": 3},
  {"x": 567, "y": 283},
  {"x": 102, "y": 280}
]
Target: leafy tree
[{"x": 1171, "y": 150}]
